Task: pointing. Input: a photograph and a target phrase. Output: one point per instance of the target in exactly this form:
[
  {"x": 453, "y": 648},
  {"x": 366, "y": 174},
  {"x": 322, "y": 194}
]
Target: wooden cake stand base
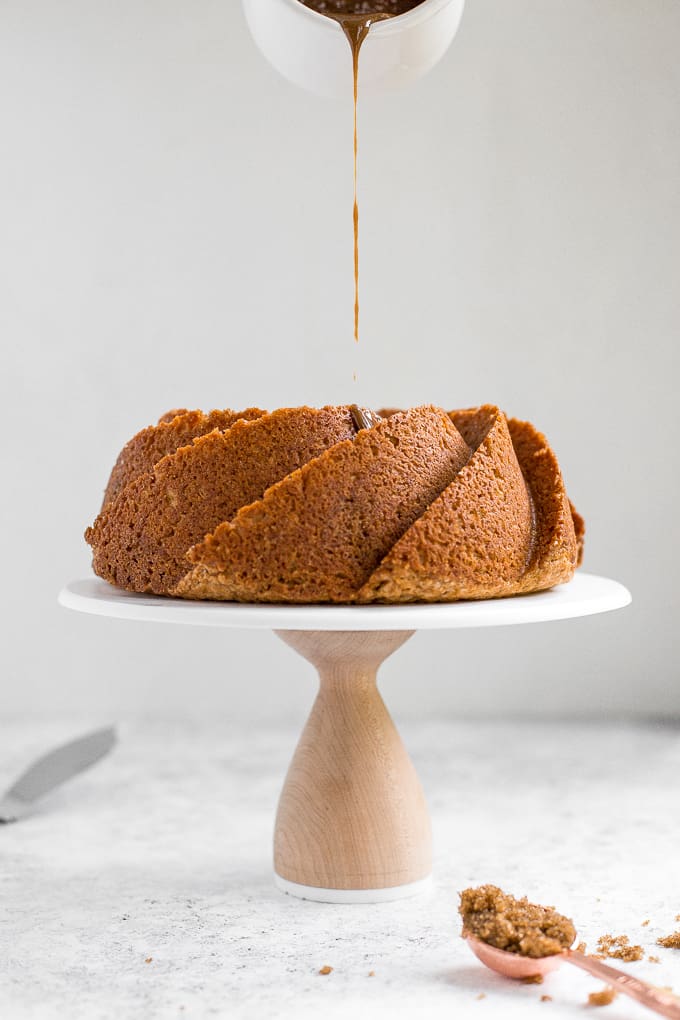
[
  {"x": 352, "y": 824},
  {"x": 352, "y": 815}
]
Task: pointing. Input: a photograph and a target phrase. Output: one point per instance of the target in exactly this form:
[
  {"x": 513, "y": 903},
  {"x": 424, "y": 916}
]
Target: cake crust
[
  {"x": 174, "y": 429},
  {"x": 556, "y": 550},
  {"x": 317, "y": 535},
  {"x": 337, "y": 504},
  {"x": 461, "y": 547},
  {"x": 140, "y": 539}
]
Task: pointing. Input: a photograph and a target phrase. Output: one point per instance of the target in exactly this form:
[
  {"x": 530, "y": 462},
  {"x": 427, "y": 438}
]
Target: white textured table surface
[{"x": 162, "y": 853}]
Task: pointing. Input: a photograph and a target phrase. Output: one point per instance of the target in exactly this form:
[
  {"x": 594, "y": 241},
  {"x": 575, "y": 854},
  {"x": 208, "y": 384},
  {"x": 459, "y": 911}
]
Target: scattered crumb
[
  {"x": 482, "y": 995},
  {"x": 532, "y": 979},
  {"x": 602, "y": 998},
  {"x": 516, "y": 926},
  {"x": 618, "y": 947},
  {"x": 546, "y": 998},
  {"x": 326, "y": 970},
  {"x": 371, "y": 973},
  {"x": 670, "y": 941},
  {"x": 645, "y": 923},
  {"x": 677, "y": 917},
  {"x": 653, "y": 959},
  {"x": 149, "y": 959},
  {"x": 581, "y": 948}
]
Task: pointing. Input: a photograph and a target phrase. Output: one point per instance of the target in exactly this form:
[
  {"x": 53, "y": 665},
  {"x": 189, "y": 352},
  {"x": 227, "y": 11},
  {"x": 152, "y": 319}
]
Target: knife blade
[{"x": 53, "y": 769}]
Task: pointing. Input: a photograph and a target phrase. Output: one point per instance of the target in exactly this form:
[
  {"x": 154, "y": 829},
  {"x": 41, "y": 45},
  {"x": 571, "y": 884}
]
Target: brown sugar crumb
[
  {"x": 325, "y": 970},
  {"x": 677, "y": 917},
  {"x": 482, "y": 995},
  {"x": 371, "y": 973},
  {"x": 149, "y": 959},
  {"x": 581, "y": 948},
  {"x": 517, "y": 926},
  {"x": 653, "y": 959},
  {"x": 618, "y": 947},
  {"x": 532, "y": 979},
  {"x": 603, "y": 998},
  {"x": 645, "y": 923},
  {"x": 546, "y": 998},
  {"x": 670, "y": 941}
]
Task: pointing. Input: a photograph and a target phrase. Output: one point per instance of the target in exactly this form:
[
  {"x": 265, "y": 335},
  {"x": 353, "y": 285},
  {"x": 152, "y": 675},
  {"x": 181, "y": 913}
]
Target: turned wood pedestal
[{"x": 352, "y": 817}]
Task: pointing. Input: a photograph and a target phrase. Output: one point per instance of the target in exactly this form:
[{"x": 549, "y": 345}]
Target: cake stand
[{"x": 352, "y": 823}]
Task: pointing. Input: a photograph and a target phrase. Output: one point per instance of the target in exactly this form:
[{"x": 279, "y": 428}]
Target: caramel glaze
[
  {"x": 363, "y": 418},
  {"x": 355, "y": 17}
]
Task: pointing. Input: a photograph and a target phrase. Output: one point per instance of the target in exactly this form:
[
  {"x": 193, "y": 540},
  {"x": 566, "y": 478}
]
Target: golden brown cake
[
  {"x": 462, "y": 547},
  {"x": 174, "y": 429},
  {"x": 141, "y": 538},
  {"x": 318, "y": 534},
  {"x": 556, "y": 548},
  {"x": 337, "y": 505}
]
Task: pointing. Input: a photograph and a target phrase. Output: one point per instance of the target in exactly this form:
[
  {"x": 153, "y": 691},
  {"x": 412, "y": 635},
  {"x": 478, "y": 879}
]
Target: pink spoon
[{"x": 513, "y": 965}]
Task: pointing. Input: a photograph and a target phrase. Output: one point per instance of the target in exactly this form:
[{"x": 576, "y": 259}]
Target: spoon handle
[{"x": 653, "y": 998}]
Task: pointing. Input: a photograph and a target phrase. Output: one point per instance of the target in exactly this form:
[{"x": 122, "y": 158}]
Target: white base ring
[{"x": 319, "y": 895}]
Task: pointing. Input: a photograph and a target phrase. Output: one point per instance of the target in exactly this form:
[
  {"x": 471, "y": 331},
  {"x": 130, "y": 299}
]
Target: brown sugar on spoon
[
  {"x": 513, "y": 925},
  {"x": 517, "y": 939}
]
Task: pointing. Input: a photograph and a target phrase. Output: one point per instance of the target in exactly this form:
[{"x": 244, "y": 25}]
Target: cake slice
[
  {"x": 559, "y": 532},
  {"x": 476, "y": 538},
  {"x": 175, "y": 429},
  {"x": 317, "y": 535},
  {"x": 141, "y": 538}
]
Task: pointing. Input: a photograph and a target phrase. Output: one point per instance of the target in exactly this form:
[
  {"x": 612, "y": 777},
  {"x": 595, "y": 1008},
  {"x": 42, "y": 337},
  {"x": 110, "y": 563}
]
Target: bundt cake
[{"x": 337, "y": 504}]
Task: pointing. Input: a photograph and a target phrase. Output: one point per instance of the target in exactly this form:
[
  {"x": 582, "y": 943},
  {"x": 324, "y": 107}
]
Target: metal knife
[{"x": 52, "y": 770}]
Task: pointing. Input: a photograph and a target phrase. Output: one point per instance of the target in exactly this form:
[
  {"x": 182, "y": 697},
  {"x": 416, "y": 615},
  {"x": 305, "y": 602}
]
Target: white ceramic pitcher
[{"x": 311, "y": 50}]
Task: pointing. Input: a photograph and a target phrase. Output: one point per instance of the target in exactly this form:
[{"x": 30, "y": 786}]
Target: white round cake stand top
[{"x": 585, "y": 595}]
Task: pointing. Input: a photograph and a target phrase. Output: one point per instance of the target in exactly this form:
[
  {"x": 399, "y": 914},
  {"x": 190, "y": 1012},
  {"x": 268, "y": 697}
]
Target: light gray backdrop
[{"x": 175, "y": 230}]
